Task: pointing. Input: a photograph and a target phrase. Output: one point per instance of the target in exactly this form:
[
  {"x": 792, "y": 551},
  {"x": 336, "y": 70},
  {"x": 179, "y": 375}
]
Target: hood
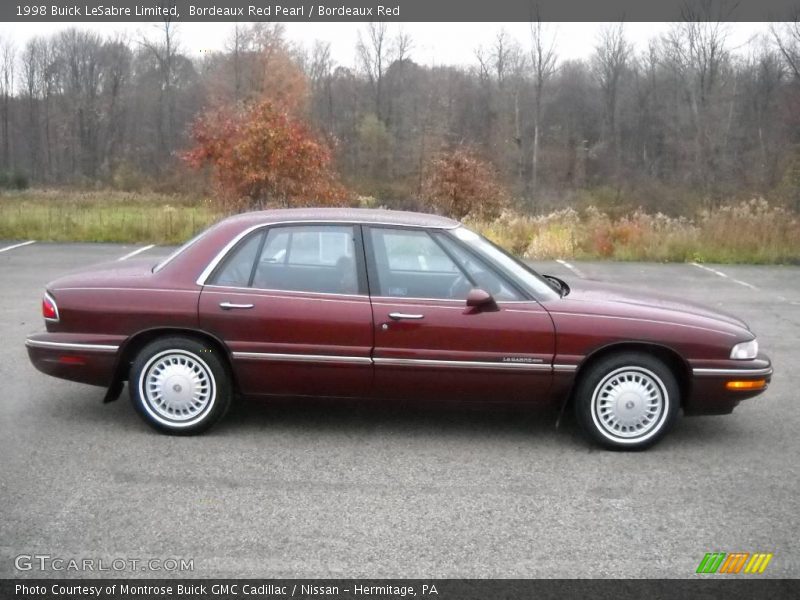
[
  {"x": 604, "y": 293},
  {"x": 128, "y": 273}
]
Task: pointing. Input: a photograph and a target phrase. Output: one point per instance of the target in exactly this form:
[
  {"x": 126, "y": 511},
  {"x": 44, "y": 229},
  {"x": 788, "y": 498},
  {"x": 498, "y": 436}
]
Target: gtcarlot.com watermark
[{"x": 47, "y": 562}]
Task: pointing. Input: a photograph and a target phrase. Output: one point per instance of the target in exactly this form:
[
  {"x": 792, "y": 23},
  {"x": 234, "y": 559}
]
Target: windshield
[{"x": 512, "y": 267}]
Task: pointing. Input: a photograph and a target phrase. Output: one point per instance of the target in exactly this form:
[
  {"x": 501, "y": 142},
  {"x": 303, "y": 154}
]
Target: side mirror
[{"x": 478, "y": 299}]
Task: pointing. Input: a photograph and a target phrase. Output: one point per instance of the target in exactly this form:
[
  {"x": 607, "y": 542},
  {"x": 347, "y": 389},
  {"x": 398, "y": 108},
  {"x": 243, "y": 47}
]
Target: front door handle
[
  {"x": 230, "y": 305},
  {"x": 398, "y": 316}
]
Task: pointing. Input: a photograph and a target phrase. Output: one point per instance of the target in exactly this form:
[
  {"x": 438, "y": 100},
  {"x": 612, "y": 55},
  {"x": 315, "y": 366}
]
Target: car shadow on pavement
[
  {"x": 413, "y": 419},
  {"x": 406, "y": 417},
  {"x": 337, "y": 417}
]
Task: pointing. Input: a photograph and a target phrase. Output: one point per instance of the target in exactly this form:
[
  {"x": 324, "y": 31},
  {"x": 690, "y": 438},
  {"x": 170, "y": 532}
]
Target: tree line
[{"x": 687, "y": 121}]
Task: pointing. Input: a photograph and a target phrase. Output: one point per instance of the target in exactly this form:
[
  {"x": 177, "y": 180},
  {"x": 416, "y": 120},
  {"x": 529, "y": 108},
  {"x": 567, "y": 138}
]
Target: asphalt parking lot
[{"x": 352, "y": 491}]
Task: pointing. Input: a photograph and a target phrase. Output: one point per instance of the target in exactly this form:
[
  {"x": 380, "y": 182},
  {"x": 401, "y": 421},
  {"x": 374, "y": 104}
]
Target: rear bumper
[
  {"x": 710, "y": 394},
  {"x": 85, "y": 359}
]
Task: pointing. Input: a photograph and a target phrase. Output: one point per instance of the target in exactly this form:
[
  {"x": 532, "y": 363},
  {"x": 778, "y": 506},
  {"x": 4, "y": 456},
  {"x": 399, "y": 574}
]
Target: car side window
[
  {"x": 410, "y": 264},
  {"x": 309, "y": 258},
  {"x": 480, "y": 274},
  {"x": 237, "y": 268}
]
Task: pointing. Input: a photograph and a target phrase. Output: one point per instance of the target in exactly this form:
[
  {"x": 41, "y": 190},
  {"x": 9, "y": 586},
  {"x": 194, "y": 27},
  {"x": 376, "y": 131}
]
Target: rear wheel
[
  {"x": 179, "y": 385},
  {"x": 627, "y": 401}
]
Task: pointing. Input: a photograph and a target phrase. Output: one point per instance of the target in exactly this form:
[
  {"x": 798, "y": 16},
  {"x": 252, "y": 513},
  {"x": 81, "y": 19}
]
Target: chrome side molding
[
  {"x": 461, "y": 364},
  {"x": 71, "y": 346},
  {"x": 702, "y": 372},
  {"x": 400, "y": 362},
  {"x": 318, "y": 358}
]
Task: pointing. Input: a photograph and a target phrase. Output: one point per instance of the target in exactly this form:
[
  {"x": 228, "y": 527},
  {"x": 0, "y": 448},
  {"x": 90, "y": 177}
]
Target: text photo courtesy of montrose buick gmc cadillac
[{"x": 378, "y": 304}]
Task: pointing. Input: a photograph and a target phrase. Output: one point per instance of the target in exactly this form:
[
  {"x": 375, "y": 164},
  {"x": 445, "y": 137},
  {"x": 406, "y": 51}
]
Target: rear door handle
[
  {"x": 398, "y": 316},
  {"x": 230, "y": 305}
]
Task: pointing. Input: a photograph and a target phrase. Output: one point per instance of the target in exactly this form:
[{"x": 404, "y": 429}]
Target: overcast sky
[{"x": 433, "y": 43}]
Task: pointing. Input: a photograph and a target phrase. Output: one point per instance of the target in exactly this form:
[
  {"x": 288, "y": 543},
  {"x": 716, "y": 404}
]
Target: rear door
[
  {"x": 291, "y": 303},
  {"x": 429, "y": 345}
]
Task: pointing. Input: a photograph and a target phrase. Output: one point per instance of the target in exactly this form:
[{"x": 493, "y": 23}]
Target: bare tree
[
  {"x": 787, "y": 38},
  {"x": 7, "y": 63},
  {"x": 696, "y": 50},
  {"x": 31, "y": 81},
  {"x": 235, "y": 48},
  {"x": 543, "y": 64},
  {"x": 508, "y": 64},
  {"x": 374, "y": 55},
  {"x": 610, "y": 61},
  {"x": 165, "y": 52},
  {"x": 501, "y": 57},
  {"x": 402, "y": 46},
  {"x": 48, "y": 84},
  {"x": 321, "y": 74},
  {"x": 81, "y": 56},
  {"x": 649, "y": 120},
  {"x": 116, "y": 78}
]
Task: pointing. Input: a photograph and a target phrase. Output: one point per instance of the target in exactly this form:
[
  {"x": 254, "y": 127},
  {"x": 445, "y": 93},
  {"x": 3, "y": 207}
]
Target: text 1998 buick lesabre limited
[{"x": 381, "y": 304}]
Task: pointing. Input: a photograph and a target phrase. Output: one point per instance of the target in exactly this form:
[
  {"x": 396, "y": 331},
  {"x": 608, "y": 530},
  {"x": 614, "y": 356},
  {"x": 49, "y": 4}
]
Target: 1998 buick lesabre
[{"x": 380, "y": 304}]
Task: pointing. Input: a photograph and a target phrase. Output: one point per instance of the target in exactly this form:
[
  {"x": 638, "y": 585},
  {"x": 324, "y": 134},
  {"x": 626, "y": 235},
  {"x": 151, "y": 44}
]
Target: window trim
[
  {"x": 263, "y": 229},
  {"x": 259, "y": 250}
]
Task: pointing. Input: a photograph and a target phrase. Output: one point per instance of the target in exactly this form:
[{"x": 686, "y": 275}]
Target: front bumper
[
  {"x": 85, "y": 359},
  {"x": 710, "y": 394}
]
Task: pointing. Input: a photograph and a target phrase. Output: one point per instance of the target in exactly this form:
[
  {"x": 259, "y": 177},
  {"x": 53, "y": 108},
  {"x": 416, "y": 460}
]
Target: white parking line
[
  {"x": 725, "y": 275},
  {"x": 135, "y": 252},
  {"x": 572, "y": 268},
  {"x": 28, "y": 243}
]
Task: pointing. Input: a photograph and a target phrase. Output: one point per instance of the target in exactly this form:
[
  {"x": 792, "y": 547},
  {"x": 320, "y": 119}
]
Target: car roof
[{"x": 348, "y": 215}]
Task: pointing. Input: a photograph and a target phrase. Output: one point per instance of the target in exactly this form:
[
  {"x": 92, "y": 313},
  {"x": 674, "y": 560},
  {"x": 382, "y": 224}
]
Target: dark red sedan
[{"x": 381, "y": 304}]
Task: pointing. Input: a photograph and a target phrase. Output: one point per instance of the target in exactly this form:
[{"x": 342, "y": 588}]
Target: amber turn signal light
[{"x": 753, "y": 384}]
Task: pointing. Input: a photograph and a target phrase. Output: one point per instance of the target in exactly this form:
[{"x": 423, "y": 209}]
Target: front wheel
[
  {"x": 627, "y": 401},
  {"x": 179, "y": 385}
]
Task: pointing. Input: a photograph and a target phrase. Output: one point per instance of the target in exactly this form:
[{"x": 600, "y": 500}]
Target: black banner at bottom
[{"x": 396, "y": 589}]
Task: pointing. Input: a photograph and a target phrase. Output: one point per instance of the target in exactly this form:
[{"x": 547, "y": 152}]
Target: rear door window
[
  {"x": 309, "y": 258},
  {"x": 236, "y": 269}
]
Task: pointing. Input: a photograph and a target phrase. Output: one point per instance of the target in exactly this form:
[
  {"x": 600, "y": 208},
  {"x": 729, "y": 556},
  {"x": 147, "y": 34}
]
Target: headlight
[{"x": 745, "y": 350}]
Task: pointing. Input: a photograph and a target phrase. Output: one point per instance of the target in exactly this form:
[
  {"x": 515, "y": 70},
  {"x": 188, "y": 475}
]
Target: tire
[
  {"x": 179, "y": 385},
  {"x": 627, "y": 401}
]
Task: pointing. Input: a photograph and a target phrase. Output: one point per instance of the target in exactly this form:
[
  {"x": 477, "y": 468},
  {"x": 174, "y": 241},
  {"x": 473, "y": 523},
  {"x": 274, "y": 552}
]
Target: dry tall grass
[{"x": 749, "y": 232}]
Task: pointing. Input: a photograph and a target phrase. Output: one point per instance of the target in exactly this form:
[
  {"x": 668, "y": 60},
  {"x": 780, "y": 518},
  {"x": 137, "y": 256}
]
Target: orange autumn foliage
[
  {"x": 262, "y": 155},
  {"x": 459, "y": 183}
]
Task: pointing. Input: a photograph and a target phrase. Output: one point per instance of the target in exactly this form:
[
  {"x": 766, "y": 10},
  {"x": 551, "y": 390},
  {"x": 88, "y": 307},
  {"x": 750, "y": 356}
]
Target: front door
[
  {"x": 291, "y": 304},
  {"x": 429, "y": 345}
]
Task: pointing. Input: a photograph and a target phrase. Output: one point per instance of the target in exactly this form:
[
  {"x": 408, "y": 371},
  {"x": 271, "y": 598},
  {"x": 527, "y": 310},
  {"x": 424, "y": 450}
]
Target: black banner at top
[{"x": 397, "y": 10}]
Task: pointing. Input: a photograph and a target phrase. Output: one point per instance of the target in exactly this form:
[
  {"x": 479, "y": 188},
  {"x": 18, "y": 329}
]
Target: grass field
[
  {"x": 108, "y": 216},
  {"x": 749, "y": 232}
]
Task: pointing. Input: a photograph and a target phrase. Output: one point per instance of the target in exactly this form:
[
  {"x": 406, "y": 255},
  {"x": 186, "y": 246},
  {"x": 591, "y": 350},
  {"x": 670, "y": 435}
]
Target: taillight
[{"x": 49, "y": 308}]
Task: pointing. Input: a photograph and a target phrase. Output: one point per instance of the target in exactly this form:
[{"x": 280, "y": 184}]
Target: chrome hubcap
[
  {"x": 177, "y": 387},
  {"x": 629, "y": 404}
]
